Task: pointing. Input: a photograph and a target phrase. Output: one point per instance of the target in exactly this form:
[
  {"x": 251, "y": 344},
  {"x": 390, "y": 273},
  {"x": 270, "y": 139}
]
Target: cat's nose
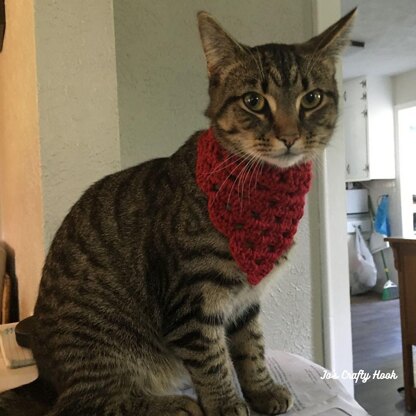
[{"x": 289, "y": 139}]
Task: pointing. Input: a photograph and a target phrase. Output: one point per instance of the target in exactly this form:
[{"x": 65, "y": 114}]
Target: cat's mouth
[{"x": 284, "y": 159}]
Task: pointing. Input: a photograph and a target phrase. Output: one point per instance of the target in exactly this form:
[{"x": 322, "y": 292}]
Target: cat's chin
[{"x": 285, "y": 161}]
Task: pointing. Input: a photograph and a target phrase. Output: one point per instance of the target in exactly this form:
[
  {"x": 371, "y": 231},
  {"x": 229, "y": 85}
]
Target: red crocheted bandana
[{"x": 258, "y": 210}]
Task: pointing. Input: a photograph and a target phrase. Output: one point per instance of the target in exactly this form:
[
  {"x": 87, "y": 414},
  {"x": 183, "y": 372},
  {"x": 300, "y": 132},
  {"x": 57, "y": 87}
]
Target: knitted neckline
[{"x": 258, "y": 210}]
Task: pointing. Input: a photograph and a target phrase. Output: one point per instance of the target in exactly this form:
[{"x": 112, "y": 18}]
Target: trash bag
[
  {"x": 363, "y": 272},
  {"x": 381, "y": 222}
]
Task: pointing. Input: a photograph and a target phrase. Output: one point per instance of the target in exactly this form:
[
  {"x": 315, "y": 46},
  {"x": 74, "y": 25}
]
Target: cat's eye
[
  {"x": 254, "y": 102},
  {"x": 312, "y": 99}
]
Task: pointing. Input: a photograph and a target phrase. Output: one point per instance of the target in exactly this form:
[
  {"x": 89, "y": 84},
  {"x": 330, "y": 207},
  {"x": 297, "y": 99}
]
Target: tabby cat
[{"x": 140, "y": 290}]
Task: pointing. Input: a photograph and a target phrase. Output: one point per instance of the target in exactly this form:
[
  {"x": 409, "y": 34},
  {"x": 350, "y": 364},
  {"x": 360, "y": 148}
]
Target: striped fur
[{"x": 139, "y": 291}]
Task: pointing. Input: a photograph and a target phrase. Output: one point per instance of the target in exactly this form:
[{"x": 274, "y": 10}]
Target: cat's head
[{"x": 277, "y": 103}]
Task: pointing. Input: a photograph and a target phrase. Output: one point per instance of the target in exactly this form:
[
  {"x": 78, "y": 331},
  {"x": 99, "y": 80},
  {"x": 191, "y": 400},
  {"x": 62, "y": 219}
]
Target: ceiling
[{"x": 388, "y": 29}]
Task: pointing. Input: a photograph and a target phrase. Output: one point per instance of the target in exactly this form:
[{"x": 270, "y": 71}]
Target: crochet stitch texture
[{"x": 258, "y": 210}]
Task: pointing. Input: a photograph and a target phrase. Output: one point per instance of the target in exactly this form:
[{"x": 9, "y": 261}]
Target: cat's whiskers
[
  {"x": 249, "y": 173},
  {"x": 240, "y": 179},
  {"x": 241, "y": 161},
  {"x": 261, "y": 164},
  {"x": 221, "y": 166},
  {"x": 258, "y": 164},
  {"x": 319, "y": 152},
  {"x": 245, "y": 173},
  {"x": 255, "y": 164},
  {"x": 315, "y": 156},
  {"x": 255, "y": 159}
]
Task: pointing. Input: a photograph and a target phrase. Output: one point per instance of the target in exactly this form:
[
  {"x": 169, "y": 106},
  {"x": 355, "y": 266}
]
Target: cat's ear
[
  {"x": 219, "y": 47},
  {"x": 333, "y": 40}
]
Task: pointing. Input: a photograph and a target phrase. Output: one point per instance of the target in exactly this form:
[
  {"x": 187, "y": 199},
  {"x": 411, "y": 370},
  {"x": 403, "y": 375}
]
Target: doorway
[{"x": 406, "y": 148}]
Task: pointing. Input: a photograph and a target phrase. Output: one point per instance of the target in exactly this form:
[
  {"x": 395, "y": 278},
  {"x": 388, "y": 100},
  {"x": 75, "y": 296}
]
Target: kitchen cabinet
[{"x": 369, "y": 128}]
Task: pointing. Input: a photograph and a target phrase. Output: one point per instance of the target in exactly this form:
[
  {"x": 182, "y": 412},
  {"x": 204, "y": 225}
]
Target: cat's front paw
[
  {"x": 238, "y": 408},
  {"x": 273, "y": 401}
]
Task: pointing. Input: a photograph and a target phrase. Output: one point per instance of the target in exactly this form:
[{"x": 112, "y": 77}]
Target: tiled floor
[{"x": 377, "y": 346}]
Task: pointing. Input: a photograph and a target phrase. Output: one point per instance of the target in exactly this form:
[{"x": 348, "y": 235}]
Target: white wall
[
  {"x": 162, "y": 93},
  {"x": 404, "y": 87},
  {"x": 77, "y": 100},
  {"x": 404, "y": 92},
  {"x": 59, "y": 123},
  {"x": 162, "y": 81}
]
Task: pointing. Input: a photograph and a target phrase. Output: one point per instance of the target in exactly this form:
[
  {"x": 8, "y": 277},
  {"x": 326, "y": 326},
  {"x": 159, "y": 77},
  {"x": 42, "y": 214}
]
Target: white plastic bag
[{"x": 363, "y": 272}]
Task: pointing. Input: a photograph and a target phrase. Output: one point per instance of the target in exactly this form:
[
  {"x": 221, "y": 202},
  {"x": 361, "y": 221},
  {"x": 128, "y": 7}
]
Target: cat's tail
[{"x": 34, "y": 399}]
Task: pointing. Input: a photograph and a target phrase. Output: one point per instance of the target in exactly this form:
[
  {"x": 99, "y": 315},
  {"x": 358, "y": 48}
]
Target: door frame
[
  {"x": 337, "y": 337},
  {"x": 399, "y": 185}
]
